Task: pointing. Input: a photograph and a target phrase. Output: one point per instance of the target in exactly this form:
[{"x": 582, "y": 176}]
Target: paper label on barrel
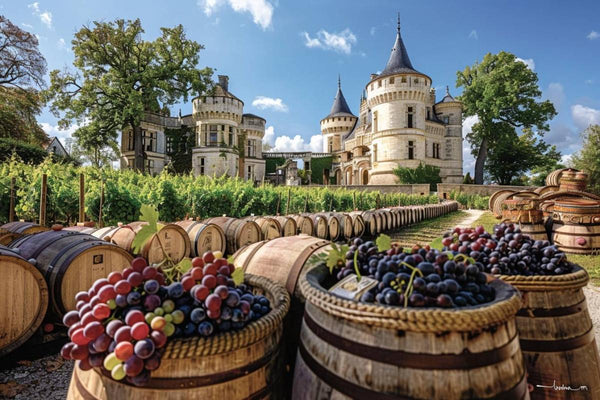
[{"x": 351, "y": 288}]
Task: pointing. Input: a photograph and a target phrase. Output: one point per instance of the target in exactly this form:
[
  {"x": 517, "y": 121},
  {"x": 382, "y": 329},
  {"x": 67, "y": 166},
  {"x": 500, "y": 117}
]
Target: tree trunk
[
  {"x": 480, "y": 162},
  {"x": 138, "y": 150}
]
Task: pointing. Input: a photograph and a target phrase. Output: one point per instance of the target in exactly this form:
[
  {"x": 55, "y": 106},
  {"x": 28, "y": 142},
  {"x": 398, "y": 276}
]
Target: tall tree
[
  {"x": 588, "y": 158},
  {"x": 120, "y": 76},
  {"x": 500, "y": 89},
  {"x": 513, "y": 155},
  {"x": 22, "y": 69}
]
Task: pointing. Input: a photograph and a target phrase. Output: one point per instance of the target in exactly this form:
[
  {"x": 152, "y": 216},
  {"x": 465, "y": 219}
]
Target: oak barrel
[
  {"x": 238, "y": 232},
  {"x": 24, "y": 228},
  {"x": 269, "y": 227},
  {"x": 345, "y": 230},
  {"x": 70, "y": 262},
  {"x": 246, "y": 364},
  {"x": 288, "y": 225},
  {"x": 556, "y": 335},
  {"x": 350, "y": 350},
  {"x": 305, "y": 224},
  {"x": 535, "y": 231},
  {"x": 6, "y": 236},
  {"x": 553, "y": 178},
  {"x": 203, "y": 237},
  {"x": 23, "y": 300},
  {"x": 576, "y": 225},
  {"x": 81, "y": 229},
  {"x": 321, "y": 228},
  {"x": 496, "y": 199},
  {"x": 358, "y": 224},
  {"x": 573, "y": 180},
  {"x": 174, "y": 239},
  {"x": 382, "y": 352}
]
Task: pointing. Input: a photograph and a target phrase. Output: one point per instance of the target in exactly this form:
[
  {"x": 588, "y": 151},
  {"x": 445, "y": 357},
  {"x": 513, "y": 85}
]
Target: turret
[{"x": 338, "y": 123}]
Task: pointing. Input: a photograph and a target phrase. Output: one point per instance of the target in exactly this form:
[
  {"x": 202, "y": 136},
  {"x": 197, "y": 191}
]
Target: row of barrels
[{"x": 335, "y": 348}]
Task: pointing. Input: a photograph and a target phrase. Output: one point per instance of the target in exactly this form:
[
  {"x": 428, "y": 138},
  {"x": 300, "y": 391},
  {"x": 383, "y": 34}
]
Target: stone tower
[
  {"x": 449, "y": 110},
  {"x": 337, "y": 124}
]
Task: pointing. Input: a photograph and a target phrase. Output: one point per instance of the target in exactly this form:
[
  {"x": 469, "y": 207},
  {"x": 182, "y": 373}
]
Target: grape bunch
[
  {"x": 508, "y": 251},
  {"x": 423, "y": 277},
  {"x": 122, "y": 324}
]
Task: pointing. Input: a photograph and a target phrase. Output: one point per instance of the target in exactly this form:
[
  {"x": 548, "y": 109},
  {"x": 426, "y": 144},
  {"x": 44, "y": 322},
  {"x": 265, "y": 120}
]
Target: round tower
[
  {"x": 337, "y": 124},
  {"x": 449, "y": 110},
  {"x": 399, "y": 99},
  {"x": 217, "y": 119}
]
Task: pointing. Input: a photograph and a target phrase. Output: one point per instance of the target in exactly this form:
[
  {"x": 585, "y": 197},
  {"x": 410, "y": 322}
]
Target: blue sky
[{"x": 283, "y": 57}]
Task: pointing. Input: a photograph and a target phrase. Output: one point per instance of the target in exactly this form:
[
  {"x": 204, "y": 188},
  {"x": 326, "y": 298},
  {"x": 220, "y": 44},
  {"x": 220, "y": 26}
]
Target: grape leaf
[
  {"x": 238, "y": 276},
  {"x": 437, "y": 244},
  {"x": 383, "y": 242},
  {"x": 230, "y": 259},
  {"x": 150, "y": 215},
  {"x": 141, "y": 238},
  {"x": 336, "y": 254},
  {"x": 184, "y": 265}
]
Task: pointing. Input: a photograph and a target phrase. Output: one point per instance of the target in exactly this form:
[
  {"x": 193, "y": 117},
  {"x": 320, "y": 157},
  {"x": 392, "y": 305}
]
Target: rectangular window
[
  {"x": 213, "y": 136},
  {"x": 374, "y": 152},
  {"x": 330, "y": 145},
  {"x": 169, "y": 144},
  {"x": 231, "y": 139},
  {"x": 411, "y": 150},
  {"x": 148, "y": 140},
  {"x": 251, "y": 148},
  {"x": 149, "y": 165},
  {"x": 249, "y": 175},
  {"x": 201, "y": 165},
  {"x": 375, "y": 127},
  {"x": 416, "y": 80},
  {"x": 446, "y": 119},
  {"x": 392, "y": 80},
  {"x": 130, "y": 141},
  {"x": 403, "y": 79},
  {"x": 409, "y": 118},
  {"x": 379, "y": 83}
]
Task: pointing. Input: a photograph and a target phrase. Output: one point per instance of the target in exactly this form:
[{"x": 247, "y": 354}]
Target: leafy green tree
[
  {"x": 422, "y": 174},
  {"x": 120, "y": 76},
  {"x": 539, "y": 173},
  {"x": 22, "y": 70},
  {"x": 467, "y": 180},
  {"x": 513, "y": 155},
  {"x": 588, "y": 158},
  {"x": 502, "y": 92}
]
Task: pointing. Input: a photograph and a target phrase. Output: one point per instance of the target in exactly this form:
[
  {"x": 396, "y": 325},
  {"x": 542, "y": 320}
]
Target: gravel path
[
  {"x": 592, "y": 295},
  {"x": 44, "y": 378},
  {"x": 472, "y": 217}
]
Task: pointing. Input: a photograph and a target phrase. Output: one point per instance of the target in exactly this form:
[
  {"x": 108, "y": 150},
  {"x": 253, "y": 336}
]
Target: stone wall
[
  {"x": 444, "y": 189},
  {"x": 407, "y": 189}
]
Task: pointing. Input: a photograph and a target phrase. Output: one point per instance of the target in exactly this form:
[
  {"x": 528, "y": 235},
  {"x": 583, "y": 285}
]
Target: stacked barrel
[{"x": 561, "y": 212}]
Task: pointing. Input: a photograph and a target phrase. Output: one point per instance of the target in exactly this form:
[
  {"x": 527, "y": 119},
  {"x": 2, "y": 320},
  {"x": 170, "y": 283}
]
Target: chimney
[{"x": 224, "y": 82}]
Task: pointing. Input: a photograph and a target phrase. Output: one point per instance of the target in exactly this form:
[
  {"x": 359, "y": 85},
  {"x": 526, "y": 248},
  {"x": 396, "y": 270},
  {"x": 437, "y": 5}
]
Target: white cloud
[
  {"x": 45, "y": 16},
  {"x": 264, "y": 103},
  {"x": 473, "y": 35},
  {"x": 566, "y": 159},
  {"x": 261, "y": 10},
  {"x": 61, "y": 44},
  {"x": 297, "y": 143},
  {"x": 593, "y": 35},
  {"x": 584, "y": 116},
  {"x": 28, "y": 26},
  {"x": 556, "y": 94},
  {"x": 54, "y": 130},
  {"x": 528, "y": 61},
  {"x": 372, "y": 31},
  {"x": 339, "y": 42}
]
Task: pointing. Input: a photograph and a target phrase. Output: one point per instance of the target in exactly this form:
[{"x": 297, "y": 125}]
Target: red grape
[
  {"x": 140, "y": 330},
  {"x": 126, "y": 272},
  {"x": 65, "y": 352},
  {"x": 114, "y": 277},
  {"x": 224, "y": 270},
  {"x": 133, "y": 317},
  {"x": 231, "y": 269},
  {"x": 197, "y": 262},
  {"x": 79, "y": 338},
  {"x": 82, "y": 296},
  {"x": 222, "y": 292},
  {"x": 107, "y": 293},
  {"x": 124, "y": 350},
  {"x": 101, "y": 311},
  {"x": 73, "y": 328},
  {"x": 133, "y": 366},
  {"x": 161, "y": 279},
  {"x": 188, "y": 283},
  {"x": 208, "y": 257},
  {"x": 210, "y": 269},
  {"x": 101, "y": 343},
  {"x": 123, "y": 287},
  {"x": 123, "y": 334},
  {"x": 79, "y": 352},
  {"x": 80, "y": 304},
  {"x": 221, "y": 280},
  {"x": 138, "y": 264},
  {"x": 245, "y": 306},
  {"x": 87, "y": 318},
  {"x": 93, "y": 330},
  {"x": 159, "y": 338},
  {"x": 135, "y": 279},
  {"x": 149, "y": 273},
  {"x": 197, "y": 273},
  {"x": 201, "y": 292},
  {"x": 213, "y": 302},
  {"x": 113, "y": 326},
  {"x": 99, "y": 284},
  {"x": 210, "y": 281},
  {"x": 152, "y": 362},
  {"x": 70, "y": 318},
  {"x": 213, "y": 314}
]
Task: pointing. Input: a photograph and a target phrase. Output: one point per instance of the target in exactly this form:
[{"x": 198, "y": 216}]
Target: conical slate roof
[
  {"x": 399, "y": 62},
  {"x": 339, "y": 107},
  {"x": 447, "y": 98}
]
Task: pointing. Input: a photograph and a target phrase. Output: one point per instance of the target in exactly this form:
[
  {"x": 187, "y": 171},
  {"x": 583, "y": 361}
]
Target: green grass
[
  {"x": 488, "y": 221},
  {"x": 427, "y": 231}
]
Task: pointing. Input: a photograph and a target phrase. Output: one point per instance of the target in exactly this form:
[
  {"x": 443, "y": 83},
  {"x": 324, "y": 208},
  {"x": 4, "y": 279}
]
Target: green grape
[
  {"x": 111, "y": 304},
  {"x": 169, "y": 329},
  {"x": 118, "y": 372},
  {"x": 168, "y": 306},
  {"x": 178, "y": 317},
  {"x": 168, "y": 317},
  {"x": 149, "y": 316},
  {"x": 159, "y": 311},
  {"x": 111, "y": 361}
]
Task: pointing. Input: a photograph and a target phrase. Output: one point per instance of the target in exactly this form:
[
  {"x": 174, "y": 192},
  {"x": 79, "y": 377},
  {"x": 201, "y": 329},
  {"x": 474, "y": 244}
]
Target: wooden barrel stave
[
  {"x": 535, "y": 231},
  {"x": 269, "y": 227},
  {"x": 174, "y": 239},
  {"x": 358, "y": 224},
  {"x": 24, "y": 228},
  {"x": 23, "y": 300},
  {"x": 238, "y": 232},
  {"x": 203, "y": 237},
  {"x": 288, "y": 225}
]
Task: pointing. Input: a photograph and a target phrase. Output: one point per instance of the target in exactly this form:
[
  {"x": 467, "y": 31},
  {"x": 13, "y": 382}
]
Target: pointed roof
[
  {"x": 340, "y": 107},
  {"x": 399, "y": 62},
  {"x": 447, "y": 98}
]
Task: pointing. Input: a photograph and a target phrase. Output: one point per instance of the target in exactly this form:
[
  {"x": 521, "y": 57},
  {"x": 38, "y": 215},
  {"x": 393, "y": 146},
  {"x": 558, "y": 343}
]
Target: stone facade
[
  {"x": 399, "y": 124},
  {"x": 222, "y": 131}
]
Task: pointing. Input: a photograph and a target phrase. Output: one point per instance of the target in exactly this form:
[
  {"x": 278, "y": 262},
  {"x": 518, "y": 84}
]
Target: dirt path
[{"x": 473, "y": 215}]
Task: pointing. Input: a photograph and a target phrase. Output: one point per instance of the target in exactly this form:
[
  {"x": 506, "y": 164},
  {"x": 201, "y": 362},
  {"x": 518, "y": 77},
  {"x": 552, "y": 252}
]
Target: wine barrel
[
  {"x": 321, "y": 229},
  {"x": 203, "y": 237},
  {"x": 305, "y": 224},
  {"x": 553, "y": 178},
  {"x": 238, "y": 232},
  {"x": 542, "y": 190},
  {"x": 6, "y": 237},
  {"x": 371, "y": 223},
  {"x": 269, "y": 227},
  {"x": 576, "y": 225},
  {"x": 334, "y": 228},
  {"x": 346, "y": 230},
  {"x": 24, "y": 228},
  {"x": 382, "y": 352},
  {"x": 81, "y": 229},
  {"x": 358, "y": 224},
  {"x": 535, "y": 231},
  {"x": 522, "y": 211},
  {"x": 244, "y": 364},
  {"x": 573, "y": 180},
  {"x": 174, "y": 239},
  {"x": 288, "y": 225},
  {"x": 70, "y": 262},
  {"x": 496, "y": 200},
  {"x": 23, "y": 300},
  {"x": 284, "y": 260},
  {"x": 556, "y": 335}
]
